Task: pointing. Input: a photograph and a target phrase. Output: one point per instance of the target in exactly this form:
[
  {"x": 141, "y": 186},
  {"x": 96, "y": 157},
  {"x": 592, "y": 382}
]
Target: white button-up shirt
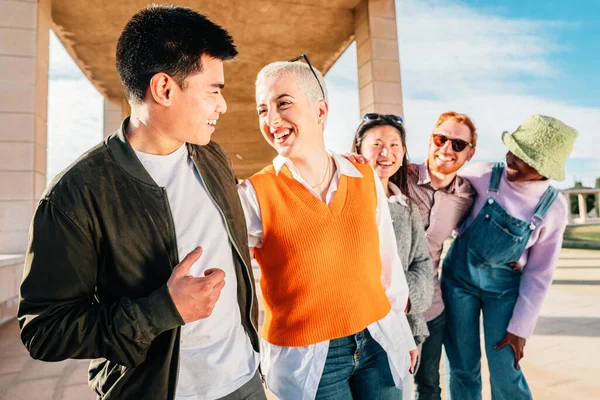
[{"x": 295, "y": 372}]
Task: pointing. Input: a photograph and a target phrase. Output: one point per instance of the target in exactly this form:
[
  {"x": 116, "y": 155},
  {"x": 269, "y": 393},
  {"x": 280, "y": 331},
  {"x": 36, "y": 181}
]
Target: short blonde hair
[
  {"x": 306, "y": 79},
  {"x": 460, "y": 119}
]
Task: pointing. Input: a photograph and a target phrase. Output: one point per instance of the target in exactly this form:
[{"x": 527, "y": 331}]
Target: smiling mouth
[
  {"x": 444, "y": 159},
  {"x": 212, "y": 122},
  {"x": 281, "y": 136},
  {"x": 385, "y": 163}
]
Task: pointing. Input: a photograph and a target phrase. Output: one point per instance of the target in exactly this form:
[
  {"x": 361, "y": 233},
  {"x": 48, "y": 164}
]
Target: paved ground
[{"x": 561, "y": 359}]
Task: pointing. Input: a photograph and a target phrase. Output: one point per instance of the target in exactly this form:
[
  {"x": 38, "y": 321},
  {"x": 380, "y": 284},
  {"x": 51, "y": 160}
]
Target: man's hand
[
  {"x": 515, "y": 266},
  {"x": 355, "y": 157},
  {"x": 413, "y": 360},
  {"x": 517, "y": 343},
  {"x": 195, "y": 297}
]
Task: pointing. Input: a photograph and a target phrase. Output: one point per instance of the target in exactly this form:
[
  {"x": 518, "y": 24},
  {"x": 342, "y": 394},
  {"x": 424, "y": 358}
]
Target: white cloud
[
  {"x": 446, "y": 40},
  {"x": 75, "y": 111},
  {"x": 61, "y": 65},
  {"x": 496, "y": 113},
  {"x": 342, "y": 86},
  {"x": 479, "y": 62}
]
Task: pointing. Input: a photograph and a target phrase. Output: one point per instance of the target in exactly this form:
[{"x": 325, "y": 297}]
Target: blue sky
[
  {"x": 497, "y": 61},
  {"x": 577, "y": 32}
]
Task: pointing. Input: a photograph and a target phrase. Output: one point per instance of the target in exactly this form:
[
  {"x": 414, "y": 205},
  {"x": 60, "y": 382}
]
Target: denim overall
[{"x": 476, "y": 278}]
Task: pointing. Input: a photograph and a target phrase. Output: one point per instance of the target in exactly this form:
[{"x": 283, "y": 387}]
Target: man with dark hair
[{"x": 105, "y": 277}]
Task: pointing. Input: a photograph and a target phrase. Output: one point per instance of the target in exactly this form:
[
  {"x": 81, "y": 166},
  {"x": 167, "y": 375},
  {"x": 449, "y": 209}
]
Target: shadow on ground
[{"x": 568, "y": 326}]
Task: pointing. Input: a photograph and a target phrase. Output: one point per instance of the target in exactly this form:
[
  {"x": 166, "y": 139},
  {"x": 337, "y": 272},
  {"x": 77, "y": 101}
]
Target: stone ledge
[
  {"x": 8, "y": 310},
  {"x": 11, "y": 267},
  {"x": 11, "y": 259}
]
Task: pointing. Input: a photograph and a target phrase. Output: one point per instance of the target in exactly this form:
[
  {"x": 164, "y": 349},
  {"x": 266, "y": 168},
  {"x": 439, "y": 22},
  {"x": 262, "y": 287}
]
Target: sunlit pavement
[{"x": 561, "y": 359}]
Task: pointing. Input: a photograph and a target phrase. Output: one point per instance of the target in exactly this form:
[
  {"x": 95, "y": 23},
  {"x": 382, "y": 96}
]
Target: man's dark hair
[{"x": 167, "y": 39}]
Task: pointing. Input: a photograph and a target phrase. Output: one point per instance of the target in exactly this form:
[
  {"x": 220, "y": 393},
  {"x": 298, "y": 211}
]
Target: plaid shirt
[{"x": 442, "y": 210}]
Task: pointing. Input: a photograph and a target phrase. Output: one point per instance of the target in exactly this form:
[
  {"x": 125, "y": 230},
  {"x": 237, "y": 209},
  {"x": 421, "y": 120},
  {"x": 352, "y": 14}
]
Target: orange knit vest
[{"x": 320, "y": 265}]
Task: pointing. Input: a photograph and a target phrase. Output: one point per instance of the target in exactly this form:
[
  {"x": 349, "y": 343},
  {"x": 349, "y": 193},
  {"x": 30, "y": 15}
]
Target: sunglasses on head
[
  {"x": 458, "y": 145},
  {"x": 390, "y": 117},
  {"x": 305, "y": 58}
]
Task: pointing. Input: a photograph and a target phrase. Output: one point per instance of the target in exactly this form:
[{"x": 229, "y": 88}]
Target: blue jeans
[
  {"x": 496, "y": 303},
  {"x": 427, "y": 378},
  {"x": 357, "y": 368},
  {"x": 477, "y": 279}
]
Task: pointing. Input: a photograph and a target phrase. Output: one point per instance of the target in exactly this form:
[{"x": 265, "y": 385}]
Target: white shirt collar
[
  {"x": 343, "y": 166},
  {"x": 397, "y": 196}
]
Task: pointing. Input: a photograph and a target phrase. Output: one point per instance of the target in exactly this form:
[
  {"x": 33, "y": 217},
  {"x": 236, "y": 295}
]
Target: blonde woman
[{"x": 333, "y": 286}]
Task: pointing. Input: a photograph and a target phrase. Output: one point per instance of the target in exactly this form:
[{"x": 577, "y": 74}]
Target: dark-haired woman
[{"x": 381, "y": 139}]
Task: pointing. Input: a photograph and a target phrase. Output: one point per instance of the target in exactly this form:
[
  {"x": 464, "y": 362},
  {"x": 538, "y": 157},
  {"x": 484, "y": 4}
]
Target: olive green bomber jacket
[{"x": 101, "y": 248}]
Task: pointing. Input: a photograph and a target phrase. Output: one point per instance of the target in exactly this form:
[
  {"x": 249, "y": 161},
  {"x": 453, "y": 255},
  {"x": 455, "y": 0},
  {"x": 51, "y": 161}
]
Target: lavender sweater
[{"x": 539, "y": 259}]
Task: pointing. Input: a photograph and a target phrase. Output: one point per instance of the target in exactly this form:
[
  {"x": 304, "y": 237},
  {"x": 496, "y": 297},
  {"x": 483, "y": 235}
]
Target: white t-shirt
[{"x": 216, "y": 356}]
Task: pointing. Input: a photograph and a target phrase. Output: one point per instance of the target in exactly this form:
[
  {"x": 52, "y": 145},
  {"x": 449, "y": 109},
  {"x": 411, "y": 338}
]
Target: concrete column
[
  {"x": 115, "y": 111},
  {"x": 112, "y": 115},
  {"x": 582, "y": 209},
  {"x": 568, "y": 199},
  {"x": 24, "y": 53},
  {"x": 378, "y": 59},
  {"x": 125, "y": 108}
]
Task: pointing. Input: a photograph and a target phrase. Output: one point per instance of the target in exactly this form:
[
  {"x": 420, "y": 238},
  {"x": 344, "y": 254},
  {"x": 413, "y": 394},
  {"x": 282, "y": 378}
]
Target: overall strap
[
  {"x": 497, "y": 171},
  {"x": 544, "y": 205}
]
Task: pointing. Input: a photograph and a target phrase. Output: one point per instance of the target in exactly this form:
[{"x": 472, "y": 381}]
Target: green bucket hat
[{"x": 544, "y": 143}]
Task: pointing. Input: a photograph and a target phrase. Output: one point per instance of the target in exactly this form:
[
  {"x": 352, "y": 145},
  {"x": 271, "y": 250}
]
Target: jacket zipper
[
  {"x": 232, "y": 241},
  {"x": 263, "y": 378},
  {"x": 174, "y": 244}
]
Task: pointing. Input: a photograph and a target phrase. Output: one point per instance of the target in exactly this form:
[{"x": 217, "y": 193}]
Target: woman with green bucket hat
[{"x": 502, "y": 262}]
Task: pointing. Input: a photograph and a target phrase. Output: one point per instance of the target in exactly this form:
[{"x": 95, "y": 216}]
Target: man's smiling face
[
  {"x": 444, "y": 159},
  {"x": 197, "y": 107}
]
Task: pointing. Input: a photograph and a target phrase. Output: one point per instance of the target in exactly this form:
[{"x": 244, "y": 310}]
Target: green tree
[{"x": 591, "y": 201}]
